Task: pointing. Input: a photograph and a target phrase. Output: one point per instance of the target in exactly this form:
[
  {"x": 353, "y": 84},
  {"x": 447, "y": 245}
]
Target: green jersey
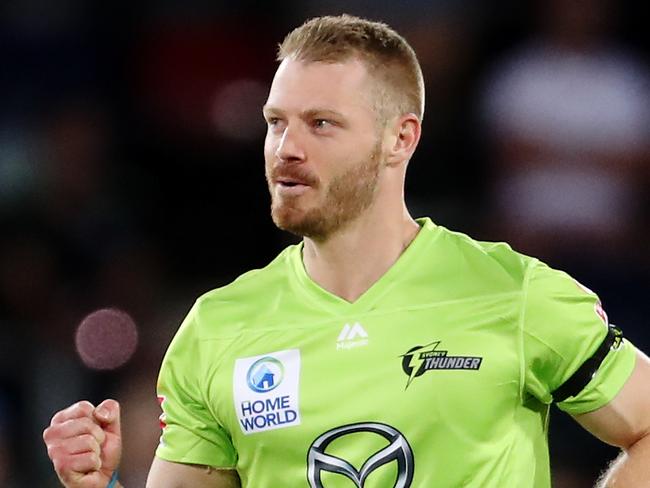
[{"x": 440, "y": 375}]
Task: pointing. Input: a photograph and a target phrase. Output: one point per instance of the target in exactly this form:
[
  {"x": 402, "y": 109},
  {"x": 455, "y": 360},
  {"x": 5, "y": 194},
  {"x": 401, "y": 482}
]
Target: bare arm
[
  {"x": 625, "y": 422},
  {"x": 165, "y": 474}
]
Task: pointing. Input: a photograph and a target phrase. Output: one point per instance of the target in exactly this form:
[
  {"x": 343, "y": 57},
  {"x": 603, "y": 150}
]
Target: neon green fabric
[{"x": 441, "y": 374}]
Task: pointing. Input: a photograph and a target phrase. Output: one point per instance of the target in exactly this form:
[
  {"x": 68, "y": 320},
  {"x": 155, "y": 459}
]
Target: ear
[{"x": 404, "y": 135}]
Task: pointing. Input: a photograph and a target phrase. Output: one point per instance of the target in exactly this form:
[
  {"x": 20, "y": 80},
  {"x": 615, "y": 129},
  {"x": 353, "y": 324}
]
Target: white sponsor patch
[{"x": 265, "y": 390}]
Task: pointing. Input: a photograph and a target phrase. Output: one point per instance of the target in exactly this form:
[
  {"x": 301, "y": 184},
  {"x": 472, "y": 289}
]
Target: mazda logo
[{"x": 398, "y": 450}]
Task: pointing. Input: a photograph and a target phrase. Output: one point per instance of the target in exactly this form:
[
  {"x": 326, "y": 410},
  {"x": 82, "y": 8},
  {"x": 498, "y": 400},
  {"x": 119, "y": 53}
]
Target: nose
[{"x": 290, "y": 148}]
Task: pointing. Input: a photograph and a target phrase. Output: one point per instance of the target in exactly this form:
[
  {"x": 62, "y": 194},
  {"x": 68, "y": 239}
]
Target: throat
[{"x": 349, "y": 269}]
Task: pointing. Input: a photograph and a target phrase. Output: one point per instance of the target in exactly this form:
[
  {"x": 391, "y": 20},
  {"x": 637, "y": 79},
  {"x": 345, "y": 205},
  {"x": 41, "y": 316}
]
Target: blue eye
[
  {"x": 275, "y": 124},
  {"x": 321, "y": 123}
]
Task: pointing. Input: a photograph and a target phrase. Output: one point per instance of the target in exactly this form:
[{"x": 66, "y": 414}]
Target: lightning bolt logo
[{"x": 413, "y": 362}]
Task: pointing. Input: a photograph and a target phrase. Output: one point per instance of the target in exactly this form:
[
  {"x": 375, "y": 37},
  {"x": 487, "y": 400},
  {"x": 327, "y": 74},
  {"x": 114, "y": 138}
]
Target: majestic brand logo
[
  {"x": 265, "y": 374},
  {"x": 265, "y": 391},
  {"x": 398, "y": 450},
  {"x": 352, "y": 336},
  {"x": 421, "y": 359}
]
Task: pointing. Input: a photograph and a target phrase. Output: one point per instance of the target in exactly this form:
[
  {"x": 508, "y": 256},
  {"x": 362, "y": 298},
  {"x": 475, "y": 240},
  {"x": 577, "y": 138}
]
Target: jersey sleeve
[
  {"x": 563, "y": 325},
  {"x": 190, "y": 433}
]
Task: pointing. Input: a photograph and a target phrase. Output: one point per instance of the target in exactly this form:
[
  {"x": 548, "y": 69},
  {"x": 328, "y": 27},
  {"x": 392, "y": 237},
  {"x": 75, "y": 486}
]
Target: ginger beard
[{"x": 346, "y": 196}]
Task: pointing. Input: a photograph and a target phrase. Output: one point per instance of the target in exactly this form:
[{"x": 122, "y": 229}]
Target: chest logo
[
  {"x": 266, "y": 391},
  {"x": 420, "y": 359},
  {"x": 398, "y": 450},
  {"x": 352, "y": 336},
  {"x": 265, "y": 374}
]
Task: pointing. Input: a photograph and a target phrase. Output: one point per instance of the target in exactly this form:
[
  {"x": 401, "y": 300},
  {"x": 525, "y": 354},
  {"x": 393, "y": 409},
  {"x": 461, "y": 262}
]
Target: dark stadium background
[{"x": 131, "y": 175}]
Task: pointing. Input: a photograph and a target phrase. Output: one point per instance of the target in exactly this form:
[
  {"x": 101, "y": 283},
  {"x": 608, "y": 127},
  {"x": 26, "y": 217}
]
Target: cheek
[
  {"x": 270, "y": 148},
  {"x": 271, "y": 142}
]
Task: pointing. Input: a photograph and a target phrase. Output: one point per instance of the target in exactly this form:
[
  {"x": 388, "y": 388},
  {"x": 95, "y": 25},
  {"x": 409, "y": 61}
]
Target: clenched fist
[{"x": 84, "y": 443}]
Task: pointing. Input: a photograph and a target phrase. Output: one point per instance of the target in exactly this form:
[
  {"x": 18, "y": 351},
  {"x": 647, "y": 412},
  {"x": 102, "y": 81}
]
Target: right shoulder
[{"x": 224, "y": 311}]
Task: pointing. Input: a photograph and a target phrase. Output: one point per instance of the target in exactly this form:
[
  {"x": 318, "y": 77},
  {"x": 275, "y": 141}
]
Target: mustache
[{"x": 295, "y": 173}]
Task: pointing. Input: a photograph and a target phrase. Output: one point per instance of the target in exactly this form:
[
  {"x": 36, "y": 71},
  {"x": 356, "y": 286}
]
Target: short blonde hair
[{"x": 389, "y": 58}]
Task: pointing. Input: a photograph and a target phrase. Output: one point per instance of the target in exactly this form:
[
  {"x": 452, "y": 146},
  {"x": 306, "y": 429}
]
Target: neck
[{"x": 349, "y": 262}]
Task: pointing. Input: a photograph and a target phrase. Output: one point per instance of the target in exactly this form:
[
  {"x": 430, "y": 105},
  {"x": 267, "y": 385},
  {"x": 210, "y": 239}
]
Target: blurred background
[{"x": 131, "y": 175}]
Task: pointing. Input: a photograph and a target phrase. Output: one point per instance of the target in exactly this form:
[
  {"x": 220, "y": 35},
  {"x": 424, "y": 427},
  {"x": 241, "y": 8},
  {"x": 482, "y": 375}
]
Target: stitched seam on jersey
[
  {"x": 204, "y": 389},
  {"x": 511, "y": 446},
  {"x": 187, "y": 459},
  {"x": 522, "y": 326},
  {"x": 208, "y": 406},
  {"x": 527, "y": 333}
]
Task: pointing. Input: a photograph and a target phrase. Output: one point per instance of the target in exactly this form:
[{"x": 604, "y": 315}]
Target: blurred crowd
[{"x": 131, "y": 175}]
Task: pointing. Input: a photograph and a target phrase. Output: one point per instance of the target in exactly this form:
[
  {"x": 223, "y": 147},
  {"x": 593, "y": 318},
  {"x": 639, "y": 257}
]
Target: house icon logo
[{"x": 265, "y": 374}]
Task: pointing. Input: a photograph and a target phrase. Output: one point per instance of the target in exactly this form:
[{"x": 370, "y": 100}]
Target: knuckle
[
  {"x": 85, "y": 424},
  {"x": 88, "y": 441},
  {"x": 60, "y": 465},
  {"x": 91, "y": 460},
  {"x": 84, "y": 407},
  {"x": 51, "y": 433},
  {"x": 91, "y": 422},
  {"x": 98, "y": 433},
  {"x": 81, "y": 422},
  {"x": 52, "y": 452},
  {"x": 56, "y": 418}
]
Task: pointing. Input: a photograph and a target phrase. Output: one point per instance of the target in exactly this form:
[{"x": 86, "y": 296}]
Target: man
[{"x": 382, "y": 351}]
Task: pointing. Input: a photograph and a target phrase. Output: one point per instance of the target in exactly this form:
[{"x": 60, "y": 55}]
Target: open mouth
[{"x": 287, "y": 183}]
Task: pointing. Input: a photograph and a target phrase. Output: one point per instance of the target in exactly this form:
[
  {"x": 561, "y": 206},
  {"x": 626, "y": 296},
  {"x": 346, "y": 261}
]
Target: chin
[
  {"x": 286, "y": 218},
  {"x": 297, "y": 222}
]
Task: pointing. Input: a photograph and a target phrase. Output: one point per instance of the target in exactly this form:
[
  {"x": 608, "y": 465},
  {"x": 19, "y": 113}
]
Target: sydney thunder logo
[{"x": 420, "y": 359}]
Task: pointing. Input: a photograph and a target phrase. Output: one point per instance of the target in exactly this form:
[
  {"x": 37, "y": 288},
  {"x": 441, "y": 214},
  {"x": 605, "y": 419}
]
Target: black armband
[{"x": 586, "y": 372}]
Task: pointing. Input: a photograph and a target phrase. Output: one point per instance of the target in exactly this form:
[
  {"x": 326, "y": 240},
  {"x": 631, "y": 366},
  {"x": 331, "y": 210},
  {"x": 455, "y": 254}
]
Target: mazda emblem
[{"x": 398, "y": 449}]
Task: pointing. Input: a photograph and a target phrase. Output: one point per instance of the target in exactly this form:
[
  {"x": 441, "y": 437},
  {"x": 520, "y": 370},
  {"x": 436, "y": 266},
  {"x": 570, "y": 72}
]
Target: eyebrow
[{"x": 310, "y": 113}]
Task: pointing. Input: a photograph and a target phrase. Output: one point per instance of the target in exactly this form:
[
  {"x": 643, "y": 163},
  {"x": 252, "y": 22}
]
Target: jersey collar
[{"x": 322, "y": 298}]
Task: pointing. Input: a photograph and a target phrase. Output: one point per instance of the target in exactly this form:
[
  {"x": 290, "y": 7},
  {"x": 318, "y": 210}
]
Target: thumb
[{"x": 107, "y": 414}]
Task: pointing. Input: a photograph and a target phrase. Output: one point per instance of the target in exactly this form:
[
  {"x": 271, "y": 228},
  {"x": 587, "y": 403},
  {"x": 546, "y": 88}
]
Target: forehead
[{"x": 300, "y": 85}]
